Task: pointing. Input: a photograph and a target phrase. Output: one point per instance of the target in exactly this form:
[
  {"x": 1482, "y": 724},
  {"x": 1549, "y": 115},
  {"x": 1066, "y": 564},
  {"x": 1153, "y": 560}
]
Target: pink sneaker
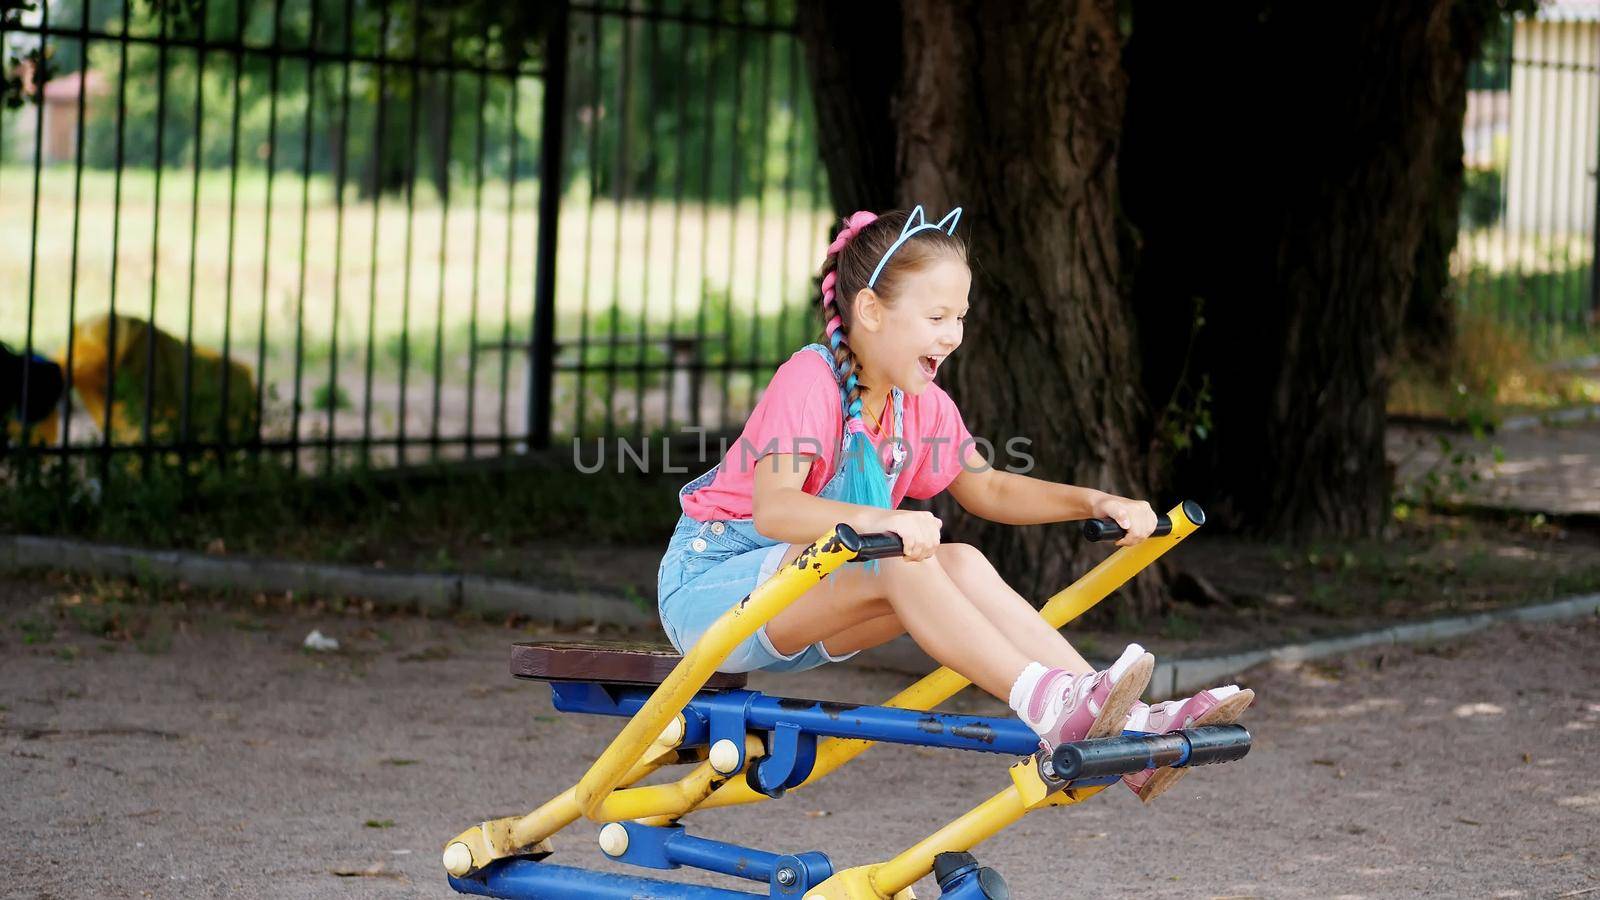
[
  {"x": 1076, "y": 707},
  {"x": 1215, "y": 706}
]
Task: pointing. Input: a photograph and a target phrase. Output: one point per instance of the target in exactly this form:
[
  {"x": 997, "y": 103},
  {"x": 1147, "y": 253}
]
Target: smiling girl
[{"x": 843, "y": 433}]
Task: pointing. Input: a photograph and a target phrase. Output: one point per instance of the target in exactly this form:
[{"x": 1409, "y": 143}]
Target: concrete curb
[
  {"x": 433, "y": 593},
  {"x": 449, "y": 593},
  {"x": 1184, "y": 676},
  {"x": 1178, "y": 677}
]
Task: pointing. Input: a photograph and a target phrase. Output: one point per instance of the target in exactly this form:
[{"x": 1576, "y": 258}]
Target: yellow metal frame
[{"x": 649, "y": 740}]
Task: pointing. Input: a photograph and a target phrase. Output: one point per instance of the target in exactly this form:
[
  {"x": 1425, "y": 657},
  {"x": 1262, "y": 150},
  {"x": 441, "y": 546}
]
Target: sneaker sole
[
  {"x": 1119, "y": 704},
  {"x": 1225, "y": 713}
]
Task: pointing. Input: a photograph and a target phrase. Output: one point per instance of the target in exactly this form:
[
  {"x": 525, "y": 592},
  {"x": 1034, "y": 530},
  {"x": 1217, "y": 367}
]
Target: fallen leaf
[
  {"x": 380, "y": 823},
  {"x": 376, "y": 870}
]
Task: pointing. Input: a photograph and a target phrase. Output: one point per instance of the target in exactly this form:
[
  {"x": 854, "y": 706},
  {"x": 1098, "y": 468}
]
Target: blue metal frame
[{"x": 792, "y": 727}]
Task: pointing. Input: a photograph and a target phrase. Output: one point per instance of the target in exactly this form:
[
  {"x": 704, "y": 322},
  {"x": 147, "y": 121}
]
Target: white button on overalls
[
  {"x": 718, "y": 528},
  {"x": 698, "y": 545}
]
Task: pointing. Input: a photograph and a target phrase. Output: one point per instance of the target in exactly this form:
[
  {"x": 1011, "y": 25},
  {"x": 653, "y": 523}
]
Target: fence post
[
  {"x": 1594, "y": 254},
  {"x": 541, "y": 359}
]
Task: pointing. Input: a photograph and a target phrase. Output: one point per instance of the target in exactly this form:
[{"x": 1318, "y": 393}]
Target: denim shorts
[{"x": 709, "y": 567}]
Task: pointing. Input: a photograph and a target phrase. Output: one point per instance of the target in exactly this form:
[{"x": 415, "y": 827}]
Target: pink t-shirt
[{"x": 800, "y": 414}]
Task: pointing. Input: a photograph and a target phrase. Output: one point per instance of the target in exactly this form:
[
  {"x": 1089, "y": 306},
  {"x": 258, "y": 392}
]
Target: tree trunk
[
  {"x": 1280, "y": 166},
  {"x": 1013, "y": 111},
  {"x": 1429, "y": 329},
  {"x": 854, "y": 121}
]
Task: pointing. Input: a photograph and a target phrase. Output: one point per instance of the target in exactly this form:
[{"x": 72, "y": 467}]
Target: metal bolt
[{"x": 786, "y": 876}]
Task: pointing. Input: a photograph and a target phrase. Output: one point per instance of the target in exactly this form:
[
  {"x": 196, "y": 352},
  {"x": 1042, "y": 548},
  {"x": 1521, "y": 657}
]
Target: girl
[{"x": 843, "y": 433}]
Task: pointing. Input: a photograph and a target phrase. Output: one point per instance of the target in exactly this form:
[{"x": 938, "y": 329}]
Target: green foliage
[
  {"x": 1481, "y": 190},
  {"x": 1454, "y": 472},
  {"x": 656, "y": 108},
  {"x": 329, "y": 397}
]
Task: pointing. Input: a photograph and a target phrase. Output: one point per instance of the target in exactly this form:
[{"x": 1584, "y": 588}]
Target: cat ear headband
[{"x": 916, "y": 222}]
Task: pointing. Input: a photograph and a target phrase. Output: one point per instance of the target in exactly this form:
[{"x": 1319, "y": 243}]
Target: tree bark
[
  {"x": 1013, "y": 111},
  {"x": 1280, "y": 167},
  {"x": 1429, "y": 329},
  {"x": 853, "y": 62}
]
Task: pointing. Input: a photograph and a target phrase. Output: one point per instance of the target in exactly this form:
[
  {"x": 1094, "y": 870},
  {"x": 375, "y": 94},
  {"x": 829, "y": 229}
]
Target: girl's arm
[
  {"x": 783, "y": 511},
  {"x": 1013, "y": 499}
]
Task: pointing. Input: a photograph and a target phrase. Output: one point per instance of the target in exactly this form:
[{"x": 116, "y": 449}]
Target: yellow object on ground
[{"x": 121, "y": 360}]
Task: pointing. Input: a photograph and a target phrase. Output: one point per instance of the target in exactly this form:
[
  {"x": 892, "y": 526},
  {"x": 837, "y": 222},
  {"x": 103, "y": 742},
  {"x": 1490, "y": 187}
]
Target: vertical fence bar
[
  {"x": 194, "y": 238},
  {"x": 652, "y": 167},
  {"x": 155, "y": 241},
  {"x": 443, "y": 174},
  {"x": 679, "y": 175},
  {"x": 1564, "y": 161},
  {"x": 1501, "y": 306},
  {"x": 65, "y": 405},
  {"x": 411, "y": 210},
  {"x": 266, "y": 230},
  {"x": 116, "y": 255},
  {"x": 754, "y": 361},
  {"x": 341, "y": 171},
  {"x": 40, "y": 77},
  {"x": 619, "y": 194},
  {"x": 551, "y": 152},
  {"x": 506, "y": 268},
  {"x": 305, "y": 219},
  {"x": 1543, "y": 200},
  {"x": 788, "y": 196},
  {"x": 593, "y": 160},
  {"x": 706, "y": 148},
  {"x": 224, "y": 427},
  {"x": 735, "y": 185},
  {"x": 376, "y": 186},
  {"x": 477, "y": 235},
  {"x": 1594, "y": 231}
]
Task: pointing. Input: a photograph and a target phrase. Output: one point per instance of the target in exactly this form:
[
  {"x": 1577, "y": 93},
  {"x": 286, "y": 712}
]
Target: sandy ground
[{"x": 231, "y": 762}]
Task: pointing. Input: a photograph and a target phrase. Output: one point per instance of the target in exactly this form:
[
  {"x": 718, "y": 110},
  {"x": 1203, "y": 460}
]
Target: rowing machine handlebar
[
  {"x": 1134, "y": 753},
  {"x": 873, "y": 545},
  {"x": 1108, "y": 530}
]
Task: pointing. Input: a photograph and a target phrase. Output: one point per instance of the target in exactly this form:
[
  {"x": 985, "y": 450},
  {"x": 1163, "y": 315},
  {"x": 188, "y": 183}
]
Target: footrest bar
[{"x": 1107, "y": 757}]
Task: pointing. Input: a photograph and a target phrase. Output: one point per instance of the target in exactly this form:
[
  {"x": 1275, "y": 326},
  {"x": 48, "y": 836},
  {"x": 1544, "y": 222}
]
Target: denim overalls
[{"x": 710, "y": 566}]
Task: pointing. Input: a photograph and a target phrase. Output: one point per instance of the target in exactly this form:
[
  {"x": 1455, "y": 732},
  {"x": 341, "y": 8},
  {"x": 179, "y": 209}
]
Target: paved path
[
  {"x": 234, "y": 763},
  {"x": 1547, "y": 468}
]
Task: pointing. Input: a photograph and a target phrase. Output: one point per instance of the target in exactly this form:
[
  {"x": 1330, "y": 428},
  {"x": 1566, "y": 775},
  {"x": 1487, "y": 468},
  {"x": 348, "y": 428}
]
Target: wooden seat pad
[{"x": 605, "y": 662}]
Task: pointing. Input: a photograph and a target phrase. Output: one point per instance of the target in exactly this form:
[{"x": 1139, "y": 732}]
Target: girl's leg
[
  {"x": 867, "y": 625},
  {"x": 865, "y": 636},
  {"x": 1014, "y": 616},
  {"x": 921, "y": 595}
]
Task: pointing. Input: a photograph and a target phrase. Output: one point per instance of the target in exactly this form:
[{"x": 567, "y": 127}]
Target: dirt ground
[{"x": 193, "y": 749}]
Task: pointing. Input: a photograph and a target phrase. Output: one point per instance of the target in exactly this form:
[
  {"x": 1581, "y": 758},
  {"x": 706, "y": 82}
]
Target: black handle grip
[
  {"x": 873, "y": 545},
  {"x": 1125, "y": 755},
  {"x": 1108, "y": 530}
]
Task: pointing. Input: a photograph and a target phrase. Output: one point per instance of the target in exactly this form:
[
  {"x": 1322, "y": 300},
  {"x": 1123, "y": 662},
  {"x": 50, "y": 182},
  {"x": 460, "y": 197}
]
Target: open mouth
[{"x": 930, "y": 365}]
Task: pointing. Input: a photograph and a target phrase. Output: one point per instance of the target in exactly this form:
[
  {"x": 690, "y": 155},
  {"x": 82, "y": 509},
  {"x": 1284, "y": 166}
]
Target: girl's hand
[
  {"x": 918, "y": 530},
  {"x": 1135, "y": 516}
]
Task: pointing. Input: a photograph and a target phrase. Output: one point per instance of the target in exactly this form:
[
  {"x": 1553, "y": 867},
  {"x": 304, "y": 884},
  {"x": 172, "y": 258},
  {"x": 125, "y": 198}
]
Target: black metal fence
[
  {"x": 375, "y": 232},
  {"x": 1526, "y": 255}
]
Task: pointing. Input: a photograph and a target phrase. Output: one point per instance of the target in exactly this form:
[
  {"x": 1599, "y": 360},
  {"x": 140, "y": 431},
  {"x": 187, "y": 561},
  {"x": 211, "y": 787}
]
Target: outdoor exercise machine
[{"x": 747, "y": 747}]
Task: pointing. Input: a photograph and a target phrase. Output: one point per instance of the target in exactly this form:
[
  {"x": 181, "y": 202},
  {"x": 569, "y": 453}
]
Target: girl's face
[{"x": 905, "y": 344}]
